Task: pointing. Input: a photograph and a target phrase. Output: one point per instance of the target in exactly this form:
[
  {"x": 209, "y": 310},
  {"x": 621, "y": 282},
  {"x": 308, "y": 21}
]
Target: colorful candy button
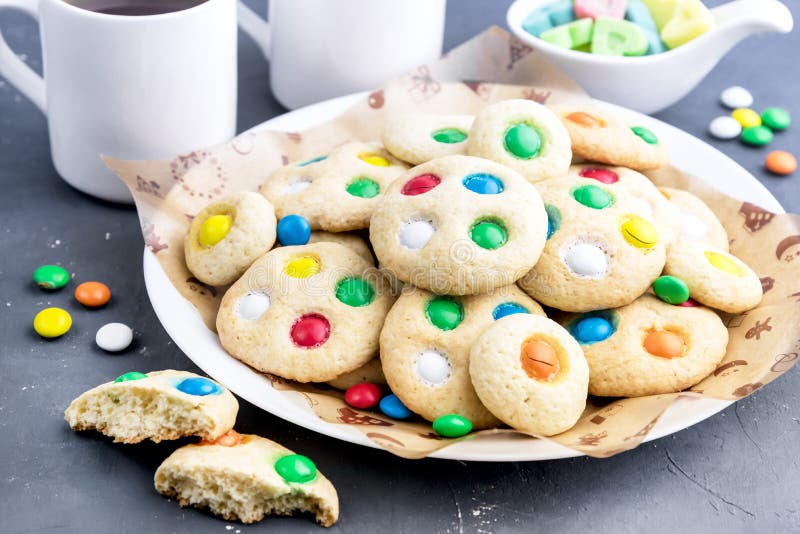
[
  {"x": 592, "y": 329},
  {"x": 214, "y": 229},
  {"x": 586, "y": 120},
  {"x": 301, "y": 184},
  {"x": 780, "y": 163},
  {"x": 363, "y": 396},
  {"x": 92, "y": 294},
  {"x": 198, "y": 386},
  {"x": 293, "y": 230},
  {"x": 114, "y": 337},
  {"x": 231, "y": 438},
  {"x": 522, "y": 141},
  {"x": 296, "y": 468},
  {"x": 604, "y": 176},
  {"x": 508, "y": 308},
  {"x": 645, "y": 135},
  {"x": 376, "y": 160},
  {"x": 449, "y": 136},
  {"x": 776, "y": 119},
  {"x": 432, "y": 367},
  {"x": 483, "y": 184},
  {"x": 355, "y": 291},
  {"x": 303, "y": 267},
  {"x": 310, "y": 331},
  {"x": 252, "y": 305},
  {"x": 539, "y": 360},
  {"x": 51, "y": 277},
  {"x": 490, "y": 234},
  {"x": 420, "y": 184},
  {"x": 452, "y": 426},
  {"x": 690, "y": 20},
  {"x": 736, "y": 97},
  {"x": 746, "y": 117},
  {"x": 725, "y": 127},
  {"x": 363, "y": 187},
  {"x": 52, "y": 322},
  {"x": 614, "y": 9},
  {"x": 445, "y": 313},
  {"x": 688, "y": 304},
  {"x": 553, "y": 219},
  {"x": 671, "y": 289},
  {"x": 593, "y": 197},
  {"x": 393, "y": 407},
  {"x": 586, "y": 259},
  {"x": 664, "y": 344},
  {"x": 639, "y": 232},
  {"x": 757, "y": 136},
  {"x": 129, "y": 376},
  {"x": 723, "y": 262},
  {"x": 415, "y": 234},
  {"x": 614, "y": 37},
  {"x": 312, "y": 160},
  {"x": 573, "y": 35}
]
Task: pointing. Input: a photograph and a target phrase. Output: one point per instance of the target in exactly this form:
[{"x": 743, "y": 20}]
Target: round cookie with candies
[
  {"x": 227, "y": 236},
  {"x": 337, "y": 192},
  {"x": 649, "y": 347},
  {"x": 715, "y": 277},
  {"x": 530, "y": 373},
  {"x": 524, "y": 136},
  {"x": 697, "y": 222},
  {"x": 604, "y": 137},
  {"x": 420, "y": 137},
  {"x": 600, "y": 252},
  {"x": 646, "y": 199},
  {"x": 425, "y": 345},
  {"x": 308, "y": 313},
  {"x": 459, "y": 225}
]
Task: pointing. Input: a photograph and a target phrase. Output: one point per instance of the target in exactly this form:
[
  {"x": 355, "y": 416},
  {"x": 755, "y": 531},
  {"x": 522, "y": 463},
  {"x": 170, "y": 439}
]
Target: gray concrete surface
[{"x": 736, "y": 472}]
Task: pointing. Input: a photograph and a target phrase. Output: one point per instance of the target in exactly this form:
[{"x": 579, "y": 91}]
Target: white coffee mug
[
  {"x": 319, "y": 49},
  {"x": 132, "y": 87}
]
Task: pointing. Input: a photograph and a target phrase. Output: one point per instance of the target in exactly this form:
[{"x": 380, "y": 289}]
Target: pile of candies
[
  {"x": 619, "y": 27},
  {"x": 55, "y": 322},
  {"x": 753, "y": 129}
]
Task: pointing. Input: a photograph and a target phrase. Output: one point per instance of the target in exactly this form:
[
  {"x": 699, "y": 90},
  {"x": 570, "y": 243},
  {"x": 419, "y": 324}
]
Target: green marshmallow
[
  {"x": 613, "y": 37},
  {"x": 573, "y": 35}
]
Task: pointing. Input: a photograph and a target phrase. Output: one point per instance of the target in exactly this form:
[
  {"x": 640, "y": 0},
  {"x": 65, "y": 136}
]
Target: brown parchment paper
[{"x": 764, "y": 343}]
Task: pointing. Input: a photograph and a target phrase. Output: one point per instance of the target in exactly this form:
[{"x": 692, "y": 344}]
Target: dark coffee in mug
[{"x": 134, "y": 7}]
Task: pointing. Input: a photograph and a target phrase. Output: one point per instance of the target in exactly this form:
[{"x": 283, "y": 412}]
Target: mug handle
[
  {"x": 253, "y": 25},
  {"x": 13, "y": 68}
]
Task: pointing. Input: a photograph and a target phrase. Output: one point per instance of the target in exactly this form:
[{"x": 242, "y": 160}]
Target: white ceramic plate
[{"x": 186, "y": 328}]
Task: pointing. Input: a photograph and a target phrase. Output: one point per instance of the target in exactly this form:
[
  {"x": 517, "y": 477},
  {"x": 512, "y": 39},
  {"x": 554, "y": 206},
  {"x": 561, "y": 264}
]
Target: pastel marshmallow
[
  {"x": 572, "y": 35},
  {"x": 690, "y": 20},
  {"x": 614, "y": 9},
  {"x": 614, "y": 37}
]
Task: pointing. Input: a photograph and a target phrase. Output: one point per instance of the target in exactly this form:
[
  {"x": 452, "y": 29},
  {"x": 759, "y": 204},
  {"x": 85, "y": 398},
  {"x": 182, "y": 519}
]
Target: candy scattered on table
[
  {"x": 757, "y": 136},
  {"x": 52, "y": 322},
  {"x": 746, "y": 117},
  {"x": 51, "y": 277},
  {"x": 365, "y": 395},
  {"x": 92, "y": 294},
  {"x": 736, "y": 97},
  {"x": 293, "y": 230},
  {"x": 452, "y": 426},
  {"x": 393, "y": 407},
  {"x": 780, "y": 162},
  {"x": 725, "y": 127},
  {"x": 776, "y": 119},
  {"x": 114, "y": 337}
]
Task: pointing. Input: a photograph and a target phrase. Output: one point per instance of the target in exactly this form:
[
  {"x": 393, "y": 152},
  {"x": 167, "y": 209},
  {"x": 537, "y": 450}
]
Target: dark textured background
[{"x": 735, "y": 472}]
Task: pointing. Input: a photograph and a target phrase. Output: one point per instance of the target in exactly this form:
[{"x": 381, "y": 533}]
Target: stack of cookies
[{"x": 521, "y": 262}]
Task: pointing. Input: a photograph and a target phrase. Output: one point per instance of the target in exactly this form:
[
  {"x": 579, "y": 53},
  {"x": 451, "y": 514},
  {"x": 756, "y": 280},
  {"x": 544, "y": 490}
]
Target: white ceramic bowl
[{"x": 651, "y": 83}]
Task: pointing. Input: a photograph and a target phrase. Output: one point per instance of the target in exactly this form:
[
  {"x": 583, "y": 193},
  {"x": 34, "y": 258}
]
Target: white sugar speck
[{"x": 108, "y": 236}]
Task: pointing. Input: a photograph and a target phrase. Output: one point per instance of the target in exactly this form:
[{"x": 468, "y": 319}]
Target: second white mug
[{"x": 320, "y": 49}]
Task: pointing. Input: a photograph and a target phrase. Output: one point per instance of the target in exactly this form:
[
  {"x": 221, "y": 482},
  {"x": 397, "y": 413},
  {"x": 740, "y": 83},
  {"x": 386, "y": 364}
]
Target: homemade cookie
[
  {"x": 156, "y": 406},
  {"x": 530, "y": 373},
  {"x": 697, "y": 222},
  {"x": 420, "y": 137},
  {"x": 227, "y": 236},
  {"x": 646, "y": 199},
  {"x": 371, "y": 372},
  {"x": 425, "y": 345},
  {"x": 715, "y": 277},
  {"x": 308, "y": 313},
  {"x": 338, "y": 192},
  {"x": 349, "y": 239},
  {"x": 649, "y": 347},
  {"x": 245, "y": 477},
  {"x": 601, "y": 136},
  {"x": 599, "y": 253},
  {"x": 523, "y": 135},
  {"x": 459, "y": 225}
]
